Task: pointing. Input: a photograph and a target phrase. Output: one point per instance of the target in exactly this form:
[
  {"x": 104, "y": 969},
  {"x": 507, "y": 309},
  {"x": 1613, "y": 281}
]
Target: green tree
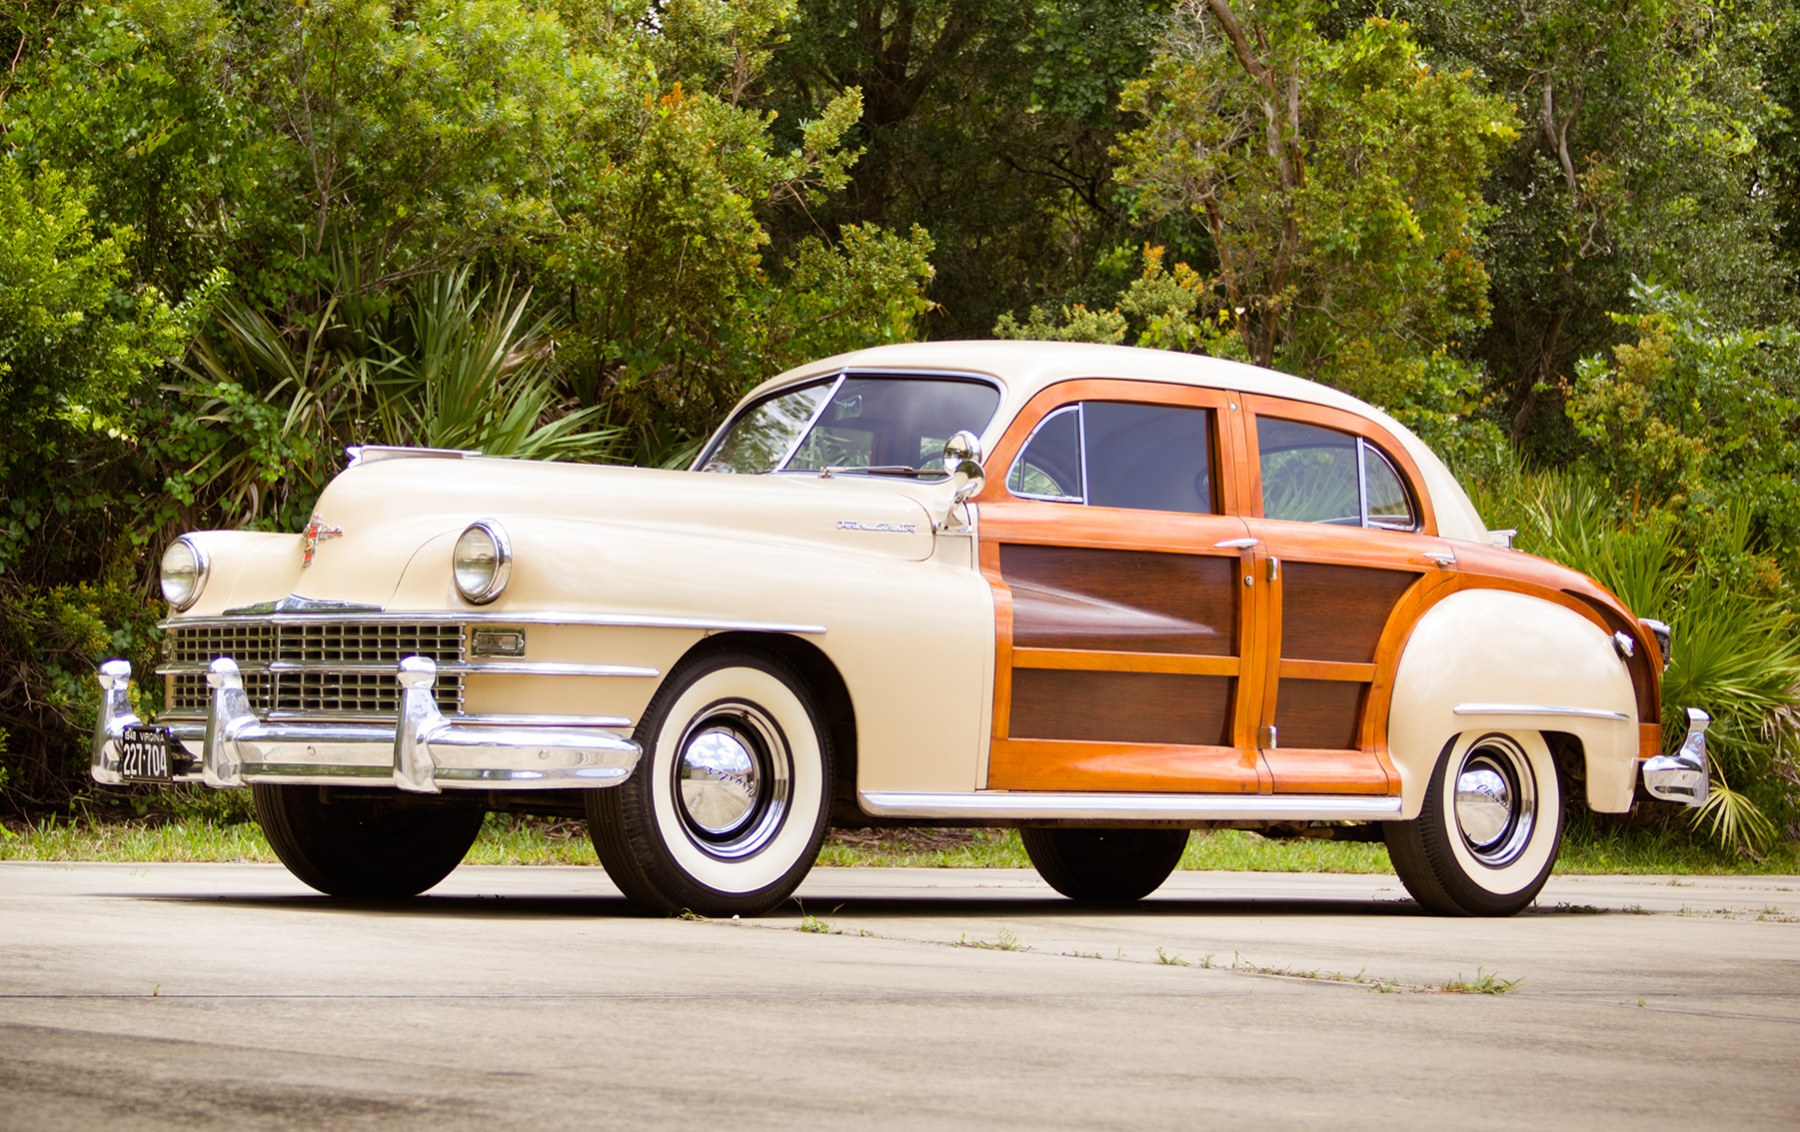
[
  {"x": 1337, "y": 183},
  {"x": 1641, "y": 158}
]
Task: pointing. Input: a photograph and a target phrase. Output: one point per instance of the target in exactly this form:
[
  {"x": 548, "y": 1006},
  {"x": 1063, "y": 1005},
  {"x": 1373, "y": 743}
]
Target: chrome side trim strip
[
  {"x": 601, "y": 620},
  {"x": 473, "y": 667},
  {"x": 1542, "y": 709},
  {"x": 1127, "y": 807}
]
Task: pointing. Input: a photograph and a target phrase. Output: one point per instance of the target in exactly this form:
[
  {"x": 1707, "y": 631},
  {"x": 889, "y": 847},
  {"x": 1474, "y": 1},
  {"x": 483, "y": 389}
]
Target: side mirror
[{"x": 962, "y": 459}]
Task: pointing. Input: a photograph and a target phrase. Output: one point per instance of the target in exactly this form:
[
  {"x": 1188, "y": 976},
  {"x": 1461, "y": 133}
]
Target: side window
[
  {"x": 1049, "y": 466},
  {"x": 1320, "y": 475},
  {"x": 1116, "y": 454}
]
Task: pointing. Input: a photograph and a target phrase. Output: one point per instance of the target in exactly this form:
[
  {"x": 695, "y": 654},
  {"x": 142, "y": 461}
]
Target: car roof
[{"x": 1023, "y": 369}]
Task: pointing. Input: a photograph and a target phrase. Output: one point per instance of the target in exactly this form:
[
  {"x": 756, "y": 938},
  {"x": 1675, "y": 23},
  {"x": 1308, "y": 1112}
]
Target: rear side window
[
  {"x": 1119, "y": 454},
  {"x": 1320, "y": 475}
]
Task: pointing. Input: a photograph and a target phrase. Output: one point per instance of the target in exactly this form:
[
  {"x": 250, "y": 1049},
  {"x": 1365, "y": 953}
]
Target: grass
[{"x": 213, "y": 831}]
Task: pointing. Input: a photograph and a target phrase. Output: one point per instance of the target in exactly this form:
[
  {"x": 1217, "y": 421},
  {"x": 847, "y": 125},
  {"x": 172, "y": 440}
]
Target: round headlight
[
  {"x": 482, "y": 562},
  {"x": 184, "y": 568}
]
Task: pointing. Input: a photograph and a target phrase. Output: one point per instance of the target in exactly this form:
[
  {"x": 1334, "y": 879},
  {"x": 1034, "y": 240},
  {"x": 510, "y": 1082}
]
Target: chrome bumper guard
[
  {"x": 424, "y": 752},
  {"x": 1683, "y": 776}
]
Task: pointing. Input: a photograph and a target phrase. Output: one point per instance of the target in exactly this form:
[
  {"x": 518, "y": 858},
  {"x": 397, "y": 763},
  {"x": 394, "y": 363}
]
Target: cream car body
[{"x": 884, "y": 604}]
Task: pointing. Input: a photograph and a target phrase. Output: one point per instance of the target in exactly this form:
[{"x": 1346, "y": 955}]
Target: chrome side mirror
[
  {"x": 962, "y": 447},
  {"x": 968, "y": 478},
  {"x": 962, "y": 459}
]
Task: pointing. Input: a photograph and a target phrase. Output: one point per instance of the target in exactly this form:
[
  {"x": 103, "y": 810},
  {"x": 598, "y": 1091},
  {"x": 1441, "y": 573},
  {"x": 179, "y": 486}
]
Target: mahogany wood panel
[
  {"x": 1318, "y": 713},
  {"x": 1122, "y": 600},
  {"x": 1337, "y": 613},
  {"x": 1121, "y": 707},
  {"x": 1037, "y": 765}
]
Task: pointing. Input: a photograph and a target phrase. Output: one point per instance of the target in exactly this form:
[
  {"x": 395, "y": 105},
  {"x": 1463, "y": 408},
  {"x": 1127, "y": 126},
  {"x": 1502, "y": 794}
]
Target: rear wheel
[
  {"x": 364, "y": 847},
  {"x": 1488, "y": 834},
  {"x": 726, "y": 810},
  {"x": 1104, "y": 866}
]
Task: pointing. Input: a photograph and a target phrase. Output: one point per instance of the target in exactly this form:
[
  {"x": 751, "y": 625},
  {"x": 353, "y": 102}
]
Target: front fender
[{"x": 1495, "y": 660}]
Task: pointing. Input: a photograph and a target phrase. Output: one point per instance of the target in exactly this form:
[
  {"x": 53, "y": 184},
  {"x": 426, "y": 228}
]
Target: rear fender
[{"x": 1495, "y": 660}]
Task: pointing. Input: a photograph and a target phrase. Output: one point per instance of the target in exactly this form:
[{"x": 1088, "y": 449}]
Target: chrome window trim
[
  {"x": 1371, "y": 522},
  {"x": 1081, "y": 455},
  {"x": 1542, "y": 709},
  {"x": 597, "y": 620},
  {"x": 1362, "y": 480},
  {"x": 1026, "y": 805}
]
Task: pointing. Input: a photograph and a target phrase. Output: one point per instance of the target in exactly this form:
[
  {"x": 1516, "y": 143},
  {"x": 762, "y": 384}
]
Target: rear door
[{"x": 1346, "y": 545}]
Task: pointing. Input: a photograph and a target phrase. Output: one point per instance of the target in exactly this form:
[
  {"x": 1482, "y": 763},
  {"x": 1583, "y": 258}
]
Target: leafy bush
[{"x": 1736, "y": 646}]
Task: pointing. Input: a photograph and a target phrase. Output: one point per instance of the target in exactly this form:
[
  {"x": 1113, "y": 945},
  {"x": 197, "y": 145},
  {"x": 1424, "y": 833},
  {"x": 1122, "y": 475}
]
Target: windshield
[{"x": 853, "y": 423}]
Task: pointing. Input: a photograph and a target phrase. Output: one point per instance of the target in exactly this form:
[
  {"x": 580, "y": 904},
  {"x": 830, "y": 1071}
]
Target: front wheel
[
  {"x": 369, "y": 848},
  {"x": 726, "y": 810},
  {"x": 1489, "y": 831},
  {"x": 1104, "y": 866}
]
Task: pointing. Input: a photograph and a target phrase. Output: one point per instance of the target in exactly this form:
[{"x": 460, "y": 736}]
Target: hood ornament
[{"x": 315, "y": 532}]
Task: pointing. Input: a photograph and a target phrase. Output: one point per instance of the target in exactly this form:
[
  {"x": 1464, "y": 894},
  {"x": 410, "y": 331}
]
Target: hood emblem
[{"x": 314, "y": 533}]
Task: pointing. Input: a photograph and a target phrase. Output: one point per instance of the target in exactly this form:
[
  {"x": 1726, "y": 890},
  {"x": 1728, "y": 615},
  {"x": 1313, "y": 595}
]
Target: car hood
[{"x": 376, "y": 517}]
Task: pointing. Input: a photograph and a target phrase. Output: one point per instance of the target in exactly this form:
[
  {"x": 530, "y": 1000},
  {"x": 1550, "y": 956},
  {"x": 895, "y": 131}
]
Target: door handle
[
  {"x": 1443, "y": 557},
  {"x": 1236, "y": 544}
]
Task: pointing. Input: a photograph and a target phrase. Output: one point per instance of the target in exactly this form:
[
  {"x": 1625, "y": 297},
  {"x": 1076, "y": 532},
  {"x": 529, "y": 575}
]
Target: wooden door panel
[
  {"x": 1337, "y": 613},
  {"x": 1121, "y": 601},
  {"x": 1122, "y": 707}
]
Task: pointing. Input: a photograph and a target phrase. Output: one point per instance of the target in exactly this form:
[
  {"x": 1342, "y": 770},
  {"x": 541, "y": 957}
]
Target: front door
[{"x": 1130, "y": 653}]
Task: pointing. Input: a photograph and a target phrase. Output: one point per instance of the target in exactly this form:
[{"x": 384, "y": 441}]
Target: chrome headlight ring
[
  {"x": 481, "y": 562},
  {"x": 185, "y": 568}
]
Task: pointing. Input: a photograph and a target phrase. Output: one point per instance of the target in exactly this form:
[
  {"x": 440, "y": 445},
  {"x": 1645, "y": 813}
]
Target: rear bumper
[
  {"x": 423, "y": 751},
  {"x": 1684, "y": 776}
]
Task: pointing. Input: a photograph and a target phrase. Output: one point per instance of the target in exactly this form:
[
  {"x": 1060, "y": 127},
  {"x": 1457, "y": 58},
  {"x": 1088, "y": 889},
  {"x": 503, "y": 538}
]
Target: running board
[{"x": 1031, "y": 805}]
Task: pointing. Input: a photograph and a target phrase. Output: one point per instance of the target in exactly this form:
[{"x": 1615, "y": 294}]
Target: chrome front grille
[{"x": 312, "y": 667}]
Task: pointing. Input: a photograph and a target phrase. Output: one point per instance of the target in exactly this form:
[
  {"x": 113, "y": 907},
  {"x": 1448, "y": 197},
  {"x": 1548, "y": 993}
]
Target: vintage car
[{"x": 1175, "y": 593}]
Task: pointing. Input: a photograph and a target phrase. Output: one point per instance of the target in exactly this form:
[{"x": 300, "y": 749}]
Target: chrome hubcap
[
  {"x": 732, "y": 780},
  {"x": 718, "y": 776},
  {"x": 1496, "y": 802}
]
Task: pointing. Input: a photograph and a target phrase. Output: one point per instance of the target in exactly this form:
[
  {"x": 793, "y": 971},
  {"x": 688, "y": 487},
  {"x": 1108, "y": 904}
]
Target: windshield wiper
[{"x": 881, "y": 470}]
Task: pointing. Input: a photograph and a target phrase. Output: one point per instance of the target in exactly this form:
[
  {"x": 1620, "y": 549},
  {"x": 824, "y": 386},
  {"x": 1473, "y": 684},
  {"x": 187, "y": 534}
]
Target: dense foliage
[{"x": 1558, "y": 239}]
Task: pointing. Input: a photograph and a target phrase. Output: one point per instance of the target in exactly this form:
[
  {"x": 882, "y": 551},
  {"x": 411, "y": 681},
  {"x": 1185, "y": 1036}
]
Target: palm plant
[
  {"x": 1736, "y": 652},
  {"x": 441, "y": 364}
]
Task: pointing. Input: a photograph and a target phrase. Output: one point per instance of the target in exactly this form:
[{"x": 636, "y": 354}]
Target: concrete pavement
[{"x": 230, "y": 996}]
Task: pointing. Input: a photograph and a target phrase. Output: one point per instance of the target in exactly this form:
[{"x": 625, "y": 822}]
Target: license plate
[{"x": 144, "y": 754}]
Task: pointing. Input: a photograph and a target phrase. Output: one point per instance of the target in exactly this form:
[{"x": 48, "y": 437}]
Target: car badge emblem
[{"x": 315, "y": 533}]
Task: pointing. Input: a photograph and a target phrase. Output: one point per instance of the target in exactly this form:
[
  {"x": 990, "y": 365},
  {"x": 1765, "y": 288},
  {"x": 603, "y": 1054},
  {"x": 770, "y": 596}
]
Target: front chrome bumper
[
  {"x": 424, "y": 751},
  {"x": 1683, "y": 776}
]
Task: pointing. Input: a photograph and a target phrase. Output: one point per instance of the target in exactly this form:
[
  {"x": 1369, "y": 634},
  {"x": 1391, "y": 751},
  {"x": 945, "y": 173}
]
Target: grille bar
[{"x": 327, "y": 668}]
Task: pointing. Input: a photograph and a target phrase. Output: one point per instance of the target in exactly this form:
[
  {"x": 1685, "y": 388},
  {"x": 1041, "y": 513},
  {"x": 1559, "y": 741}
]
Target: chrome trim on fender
[
  {"x": 1129, "y": 807},
  {"x": 1542, "y": 709},
  {"x": 469, "y": 668},
  {"x": 600, "y": 620},
  {"x": 1684, "y": 776}
]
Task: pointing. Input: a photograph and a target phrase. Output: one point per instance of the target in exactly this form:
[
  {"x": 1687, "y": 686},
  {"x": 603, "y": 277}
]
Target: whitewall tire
[
  {"x": 1488, "y": 835},
  {"x": 726, "y": 810}
]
